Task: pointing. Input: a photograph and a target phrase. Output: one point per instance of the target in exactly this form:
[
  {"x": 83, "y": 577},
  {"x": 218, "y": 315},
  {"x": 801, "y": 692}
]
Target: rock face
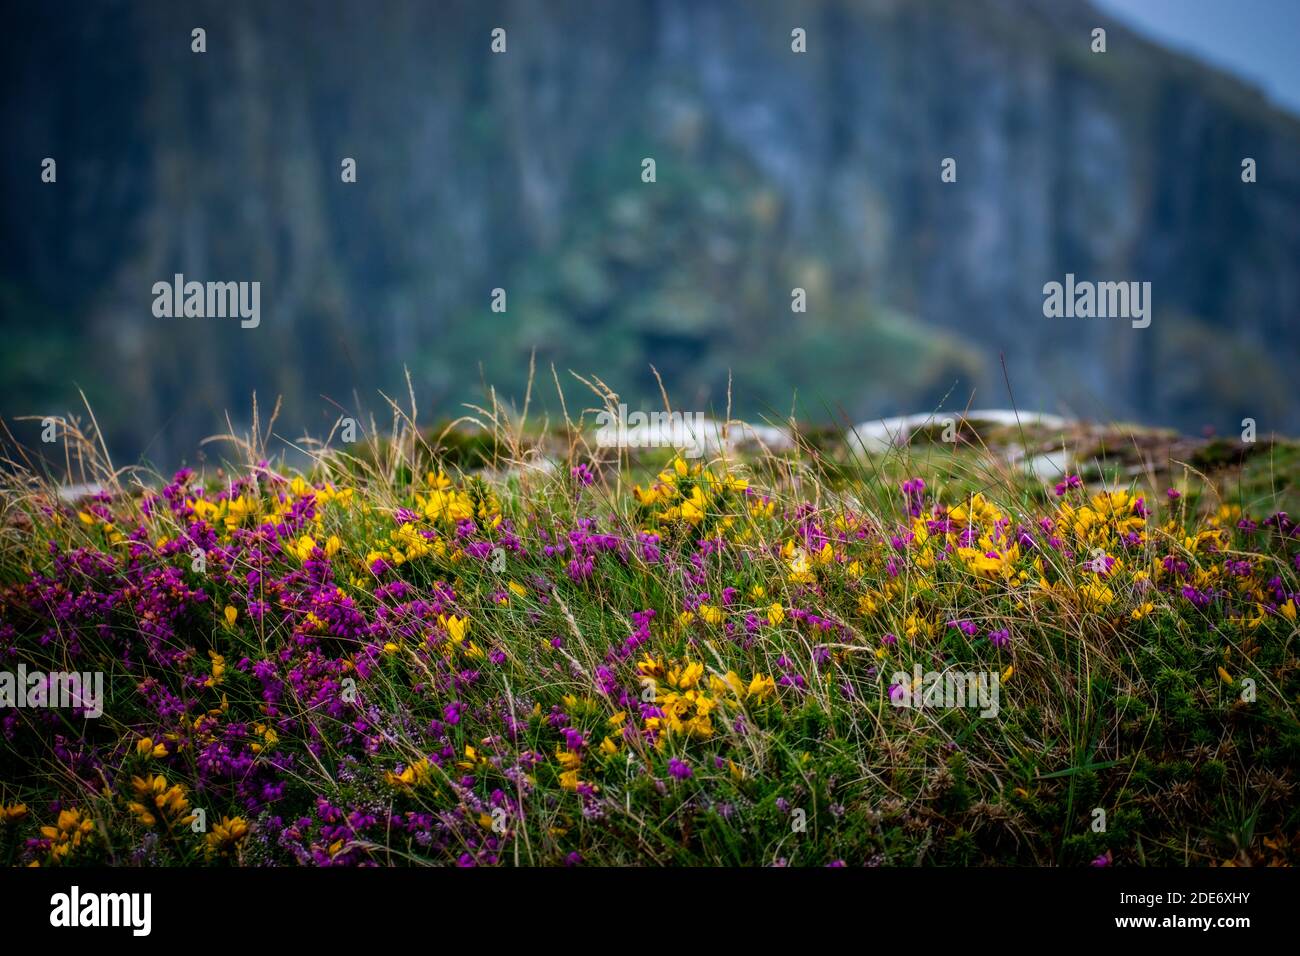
[{"x": 522, "y": 171}]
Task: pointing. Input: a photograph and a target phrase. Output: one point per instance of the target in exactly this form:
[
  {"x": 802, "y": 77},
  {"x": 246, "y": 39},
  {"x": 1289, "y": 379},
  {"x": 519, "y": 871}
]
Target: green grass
[{"x": 1174, "y": 717}]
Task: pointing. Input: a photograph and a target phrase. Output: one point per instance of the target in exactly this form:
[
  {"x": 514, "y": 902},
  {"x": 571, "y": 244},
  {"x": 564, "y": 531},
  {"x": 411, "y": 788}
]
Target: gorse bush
[{"x": 615, "y": 663}]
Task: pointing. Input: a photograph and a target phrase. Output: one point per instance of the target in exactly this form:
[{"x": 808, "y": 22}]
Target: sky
[{"x": 1255, "y": 39}]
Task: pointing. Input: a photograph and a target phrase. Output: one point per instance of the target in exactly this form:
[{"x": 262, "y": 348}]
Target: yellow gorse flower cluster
[
  {"x": 689, "y": 493},
  {"x": 225, "y": 836},
  {"x": 69, "y": 832},
  {"x": 154, "y": 799}
]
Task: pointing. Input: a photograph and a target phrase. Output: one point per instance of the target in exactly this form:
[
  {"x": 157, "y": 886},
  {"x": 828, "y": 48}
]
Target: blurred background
[{"x": 522, "y": 171}]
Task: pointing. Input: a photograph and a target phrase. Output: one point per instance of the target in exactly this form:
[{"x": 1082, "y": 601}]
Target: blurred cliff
[{"x": 522, "y": 171}]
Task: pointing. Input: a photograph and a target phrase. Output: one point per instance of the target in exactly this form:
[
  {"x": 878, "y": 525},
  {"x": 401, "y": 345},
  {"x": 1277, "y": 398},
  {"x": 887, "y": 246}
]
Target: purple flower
[
  {"x": 1071, "y": 481},
  {"x": 679, "y": 769},
  {"x": 1000, "y": 638}
]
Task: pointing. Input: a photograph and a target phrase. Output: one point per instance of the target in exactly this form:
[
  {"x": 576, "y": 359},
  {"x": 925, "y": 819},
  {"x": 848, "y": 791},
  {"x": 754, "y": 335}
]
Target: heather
[{"x": 496, "y": 644}]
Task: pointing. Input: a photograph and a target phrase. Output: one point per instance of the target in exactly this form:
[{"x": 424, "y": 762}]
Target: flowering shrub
[{"x": 341, "y": 669}]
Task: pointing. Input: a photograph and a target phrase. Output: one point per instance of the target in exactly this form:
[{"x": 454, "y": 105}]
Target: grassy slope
[{"x": 539, "y": 733}]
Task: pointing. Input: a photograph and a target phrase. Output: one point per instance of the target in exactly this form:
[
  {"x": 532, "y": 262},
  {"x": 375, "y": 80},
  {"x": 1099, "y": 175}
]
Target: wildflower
[
  {"x": 154, "y": 799},
  {"x": 1000, "y": 638},
  {"x": 13, "y": 812},
  {"x": 412, "y": 775},
  {"x": 70, "y": 831},
  {"x": 457, "y": 627},
  {"x": 304, "y": 547},
  {"x": 762, "y": 687},
  {"x": 225, "y": 836},
  {"x": 686, "y": 677},
  {"x": 775, "y": 614},
  {"x": 679, "y": 769},
  {"x": 800, "y": 572},
  {"x": 710, "y": 614},
  {"x": 1071, "y": 481},
  {"x": 146, "y": 747},
  {"x": 218, "y": 669}
]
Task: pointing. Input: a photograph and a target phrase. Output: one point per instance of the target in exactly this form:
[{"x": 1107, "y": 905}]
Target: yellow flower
[
  {"x": 799, "y": 568},
  {"x": 775, "y": 614},
  {"x": 711, "y": 614},
  {"x": 990, "y": 561},
  {"x": 218, "y": 669},
  {"x": 730, "y": 683},
  {"x": 762, "y": 687},
  {"x": 685, "y": 678},
  {"x": 518, "y": 588},
  {"x": 12, "y": 812},
  {"x": 238, "y": 510},
  {"x": 154, "y": 798},
  {"x": 269, "y": 738},
  {"x": 457, "y": 627},
  {"x": 225, "y": 836},
  {"x": 692, "y": 508},
  {"x": 304, "y": 547},
  {"x": 145, "y": 747},
  {"x": 1095, "y": 595},
  {"x": 414, "y": 775},
  {"x": 68, "y": 832},
  {"x": 230, "y": 613},
  {"x": 451, "y": 506},
  {"x": 1287, "y": 610},
  {"x": 1225, "y": 676}
]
